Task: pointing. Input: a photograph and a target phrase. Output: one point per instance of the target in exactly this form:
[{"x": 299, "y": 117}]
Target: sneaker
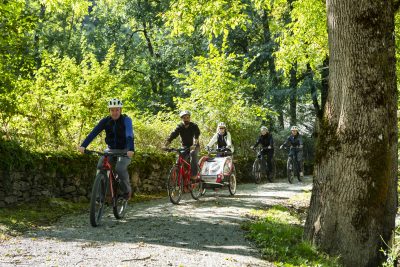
[{"x": 301, "y": 174}]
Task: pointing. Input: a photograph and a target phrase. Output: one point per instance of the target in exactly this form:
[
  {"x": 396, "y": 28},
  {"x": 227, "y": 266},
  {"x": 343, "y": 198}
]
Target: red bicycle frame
[
  {"x": 107, "y": 167},
  {"x": 184, "y": 170}
]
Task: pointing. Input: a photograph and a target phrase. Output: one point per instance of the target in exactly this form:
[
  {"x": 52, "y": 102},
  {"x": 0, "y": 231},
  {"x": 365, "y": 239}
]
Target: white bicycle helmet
[
  {"x": 183, "y": 113},
  {"x": 115, "y": 103},
  {"x": 221, "y": 124},
  {"x": 294, "y": 128},
  {"x": 264, "y": 128}
]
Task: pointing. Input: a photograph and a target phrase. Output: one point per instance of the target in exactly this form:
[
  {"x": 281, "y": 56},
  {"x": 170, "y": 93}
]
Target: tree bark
[
  {"x": 354, "y": 201},
  {"x": 293, "y": 95}
]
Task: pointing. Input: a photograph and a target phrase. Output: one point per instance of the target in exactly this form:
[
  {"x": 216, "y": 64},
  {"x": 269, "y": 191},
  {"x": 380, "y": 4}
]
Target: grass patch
[
  {"x": 137, "y": 198},
  {"x": 18, "y": 219},
  {"x": 278, "y": 233}
]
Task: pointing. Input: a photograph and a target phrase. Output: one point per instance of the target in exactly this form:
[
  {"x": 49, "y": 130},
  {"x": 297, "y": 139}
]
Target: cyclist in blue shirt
[{"x": 119, "y": 139}]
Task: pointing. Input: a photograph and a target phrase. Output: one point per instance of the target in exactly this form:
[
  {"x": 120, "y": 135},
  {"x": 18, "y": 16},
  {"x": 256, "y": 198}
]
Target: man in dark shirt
[
  {"x": 189, "y": 133},
  {"x": 267, "y": 145}
]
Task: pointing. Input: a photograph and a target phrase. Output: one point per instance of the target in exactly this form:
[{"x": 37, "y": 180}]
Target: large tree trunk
[{"x": 354, "y": 201}]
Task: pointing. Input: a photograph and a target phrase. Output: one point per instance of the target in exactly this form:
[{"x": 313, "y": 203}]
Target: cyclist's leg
[
  {"x": 300, "y": 162},
  {"x": 193, "y": 161},
  {"x": 270, "y": 154},
  {"x": 265, "y": 163},
  {"x": 121, "y": 168}
]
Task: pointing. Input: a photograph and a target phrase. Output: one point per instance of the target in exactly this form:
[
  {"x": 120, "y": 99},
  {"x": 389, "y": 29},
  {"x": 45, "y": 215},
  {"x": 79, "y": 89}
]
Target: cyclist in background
[
  {"x": 223, "y": 139},
  {"x": 189, "y": 133},
  {"x": 267, "y": 144},
  {"x": 119, "y": 139},
  {"x": 296, "y": 142}
]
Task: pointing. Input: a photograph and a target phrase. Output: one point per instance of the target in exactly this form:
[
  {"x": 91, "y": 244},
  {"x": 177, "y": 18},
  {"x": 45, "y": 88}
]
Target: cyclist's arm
[
  {"x": 95, "y": 132},
  {"x": 173, "y": 135},
  {"x": 196, "y": 135},
  {"x": 286, "y": 142},
  {"x": 258, "y": 142},
  {"x": 228, "y": 139},
  {"x": 130, "y": 137},
  {"x": 271, "y": 142},
  {"x": 213, "y": 140}
]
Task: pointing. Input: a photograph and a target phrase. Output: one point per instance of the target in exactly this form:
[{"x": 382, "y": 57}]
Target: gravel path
[{"x": 155, "y": 233}]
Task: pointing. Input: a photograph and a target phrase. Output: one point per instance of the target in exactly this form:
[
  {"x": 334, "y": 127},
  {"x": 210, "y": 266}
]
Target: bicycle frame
[
  {"x": 261, "y": 156},
  {"x": 110, "y": 174},
  {"x": 293, "y": 157},
  {"x": 184, "y": 170}
]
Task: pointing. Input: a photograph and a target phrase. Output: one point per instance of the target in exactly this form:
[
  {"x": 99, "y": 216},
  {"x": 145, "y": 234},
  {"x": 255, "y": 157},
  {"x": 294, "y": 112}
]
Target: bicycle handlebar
[
  {"x": 291, "y": 147},
  {"x": 117, "y": 154},
  {"x": 224, "y": 151},
  {"x": 178, "y": 150}
]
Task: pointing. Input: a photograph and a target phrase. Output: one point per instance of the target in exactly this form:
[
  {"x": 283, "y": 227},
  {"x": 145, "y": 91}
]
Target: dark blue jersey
[{"x": 119, "y": 133}]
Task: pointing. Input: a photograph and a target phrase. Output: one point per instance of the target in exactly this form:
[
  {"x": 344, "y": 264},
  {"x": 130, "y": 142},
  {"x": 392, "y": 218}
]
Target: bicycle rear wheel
[
  {"x": 272, "y": 173},
  {"x": 290, "y": 171},
  {"x": 196, "y": 189},
  {"x": 232, "y": 183},
  {"x": 257, "y": 171},
  {"x": 119, "y": 202},
  {"x": 98, "y": 199},
  {"x": 175, "y": 185}
]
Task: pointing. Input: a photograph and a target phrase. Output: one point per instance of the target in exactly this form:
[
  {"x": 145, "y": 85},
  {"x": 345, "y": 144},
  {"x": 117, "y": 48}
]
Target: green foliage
[
  {"x": 213, "y": 17},
  {"x": 216, "y": 92},
  {"x": 279, "y": 235},
  {"x": 304, "y": 40},
  {"x": 392, "y": 251}
]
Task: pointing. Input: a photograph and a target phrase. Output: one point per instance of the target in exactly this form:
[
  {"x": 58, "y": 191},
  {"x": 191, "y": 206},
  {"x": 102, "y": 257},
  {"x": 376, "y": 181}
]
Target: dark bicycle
[
  {"x": 179, "y": 179},
  {"x": 260, "y": 167},
  {"x": 106, "y": 189},
  {"x": 293, "y": 165}
]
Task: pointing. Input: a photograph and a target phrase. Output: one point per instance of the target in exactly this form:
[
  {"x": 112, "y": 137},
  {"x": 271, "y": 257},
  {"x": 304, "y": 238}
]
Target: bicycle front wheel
[
  {"x": 119, "y": 202},
  {"x": 257, "y": 171},
  {"x": 175, "y": 185},
  {"x": 98, "y": 199}
]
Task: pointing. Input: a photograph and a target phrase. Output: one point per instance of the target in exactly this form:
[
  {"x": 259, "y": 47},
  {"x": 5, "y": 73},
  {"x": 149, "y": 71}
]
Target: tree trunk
[
  {"x": 293, "y": 95},
  {"x": 353, "y": 203},
  {"x": 270, "y": 45}
]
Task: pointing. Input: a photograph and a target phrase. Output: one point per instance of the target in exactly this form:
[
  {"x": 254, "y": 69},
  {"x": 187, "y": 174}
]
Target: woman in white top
[{"x": 222, "y": 137}]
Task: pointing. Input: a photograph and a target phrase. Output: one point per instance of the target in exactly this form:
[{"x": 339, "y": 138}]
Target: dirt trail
[{"x": 155, "y": 233}]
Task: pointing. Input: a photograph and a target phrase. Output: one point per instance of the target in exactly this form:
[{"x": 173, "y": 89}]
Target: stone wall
[{"x": 72, "y": 178}]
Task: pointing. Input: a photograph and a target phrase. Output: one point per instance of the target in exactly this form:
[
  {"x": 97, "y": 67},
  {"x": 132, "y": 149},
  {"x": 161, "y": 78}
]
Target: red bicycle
[
  {"x": 179, "y": 179},
  {"x": 106, "y": 188}
]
